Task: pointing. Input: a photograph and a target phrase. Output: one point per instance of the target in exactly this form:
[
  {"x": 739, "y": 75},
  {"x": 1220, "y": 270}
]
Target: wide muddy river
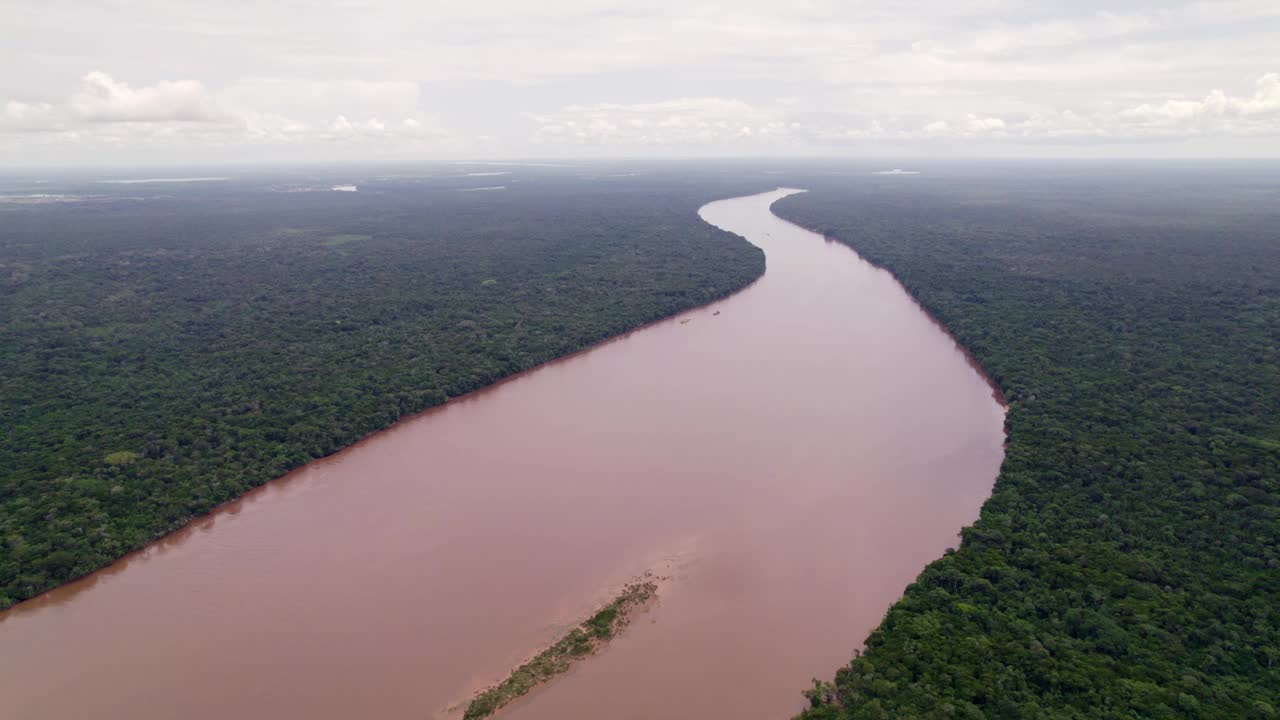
[{"x": 787, "y": 459}]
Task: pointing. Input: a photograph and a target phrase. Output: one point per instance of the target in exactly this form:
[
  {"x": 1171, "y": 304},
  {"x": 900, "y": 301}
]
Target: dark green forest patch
[
  {"x": 1127, "y": 564},
  {"x": 161, "y": 356}
]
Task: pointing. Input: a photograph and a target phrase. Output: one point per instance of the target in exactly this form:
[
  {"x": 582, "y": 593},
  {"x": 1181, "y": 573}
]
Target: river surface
[{"x": 787, "y": 459}]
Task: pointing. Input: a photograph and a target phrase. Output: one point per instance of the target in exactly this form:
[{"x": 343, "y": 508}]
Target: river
[{"x": 788, "y": 459}]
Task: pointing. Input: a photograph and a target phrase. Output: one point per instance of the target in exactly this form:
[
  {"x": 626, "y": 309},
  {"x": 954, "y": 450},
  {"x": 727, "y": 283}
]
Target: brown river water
[{"x": 789, "y": 465}]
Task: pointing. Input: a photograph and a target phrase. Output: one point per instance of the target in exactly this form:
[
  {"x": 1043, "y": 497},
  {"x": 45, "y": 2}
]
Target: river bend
[{"x": 788, "y": 458}]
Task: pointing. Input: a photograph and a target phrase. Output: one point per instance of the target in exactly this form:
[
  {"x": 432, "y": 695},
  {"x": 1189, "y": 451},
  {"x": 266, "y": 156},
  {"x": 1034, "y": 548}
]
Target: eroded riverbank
[{"x": 792, "y": 456}]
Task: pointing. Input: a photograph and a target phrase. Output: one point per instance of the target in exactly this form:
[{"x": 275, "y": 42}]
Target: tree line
[{"x": 1127, "y": 564}]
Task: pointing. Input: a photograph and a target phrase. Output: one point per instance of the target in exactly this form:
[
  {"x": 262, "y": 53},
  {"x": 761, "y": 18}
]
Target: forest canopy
[
  {"x": 1128, "y": 563},
  {"x": 164, "y": 351}
]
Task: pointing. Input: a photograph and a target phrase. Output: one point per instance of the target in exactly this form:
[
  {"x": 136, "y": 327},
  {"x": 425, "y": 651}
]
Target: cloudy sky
[{"x": 149, "y": 81}]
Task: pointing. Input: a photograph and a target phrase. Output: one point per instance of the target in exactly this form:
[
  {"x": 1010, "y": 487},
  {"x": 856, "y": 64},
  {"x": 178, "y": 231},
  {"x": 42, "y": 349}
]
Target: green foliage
[
  {"x": 601, "y": 624},
  {"x": 161, "y": 356},
  {"x": 120, "y": 457},
  {"x": 576, "y": 644},
  {"x": 1127, "y": 564}
]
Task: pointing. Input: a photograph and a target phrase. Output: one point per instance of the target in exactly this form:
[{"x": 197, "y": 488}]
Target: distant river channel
[{"x": 784, "y": 461}]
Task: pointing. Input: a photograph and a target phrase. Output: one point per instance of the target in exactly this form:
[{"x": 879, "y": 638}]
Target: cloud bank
[
  {"x": 174, "y": 114},
  {"x": 151, "y": 80},
  {"x": 690, "y": 122}
]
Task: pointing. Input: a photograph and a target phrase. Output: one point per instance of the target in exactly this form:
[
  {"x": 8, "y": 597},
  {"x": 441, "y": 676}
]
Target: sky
[{"x": 86, "y": 82}]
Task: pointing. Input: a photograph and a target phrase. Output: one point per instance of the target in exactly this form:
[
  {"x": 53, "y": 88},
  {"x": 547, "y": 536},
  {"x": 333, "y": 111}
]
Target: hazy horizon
[{"x": 141, "y": 82}]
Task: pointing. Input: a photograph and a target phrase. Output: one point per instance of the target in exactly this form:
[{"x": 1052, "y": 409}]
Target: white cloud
[
  {"x": 1218, "y": 112},
  {"x": 937, "y": 128},
  {"x": 1005, "y": 39},
  {"x": 21, "y": 116},
  {"x": 313, "y": 100},
  {"x": 679, "y": 122},
  {"x": 111, "y": 112},
  {"x": 734, "y": 124},
  {"x": 102, "y": 98},
  {"x": 582, "y": 76}
]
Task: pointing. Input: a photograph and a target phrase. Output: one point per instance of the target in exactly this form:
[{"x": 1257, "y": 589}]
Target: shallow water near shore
[{"x": 788, "y": 459}]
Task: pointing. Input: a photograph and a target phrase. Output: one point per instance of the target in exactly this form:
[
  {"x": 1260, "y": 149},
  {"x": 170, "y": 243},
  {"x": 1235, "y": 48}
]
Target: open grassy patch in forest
[
  {"x": 1265, "y": 443},
  {"x": 585, "y": 639}
]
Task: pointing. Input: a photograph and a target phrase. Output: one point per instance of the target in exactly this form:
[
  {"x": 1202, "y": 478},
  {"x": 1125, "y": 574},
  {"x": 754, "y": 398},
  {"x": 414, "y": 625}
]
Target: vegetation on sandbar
[{"x": 578, "y": 643}]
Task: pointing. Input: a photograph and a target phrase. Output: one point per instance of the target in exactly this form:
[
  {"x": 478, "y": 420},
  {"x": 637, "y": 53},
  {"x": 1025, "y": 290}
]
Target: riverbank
[
  {"x": 135, "y": 404},
  {"x": 1123, "y": 566},
  {"x": 790, "y": 482}
]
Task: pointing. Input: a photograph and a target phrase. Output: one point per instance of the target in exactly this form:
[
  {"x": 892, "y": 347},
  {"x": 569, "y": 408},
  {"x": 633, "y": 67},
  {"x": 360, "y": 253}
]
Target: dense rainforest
[
  {"x": 1128, "y": 562},
  {"x": 166, "y": 347}
]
